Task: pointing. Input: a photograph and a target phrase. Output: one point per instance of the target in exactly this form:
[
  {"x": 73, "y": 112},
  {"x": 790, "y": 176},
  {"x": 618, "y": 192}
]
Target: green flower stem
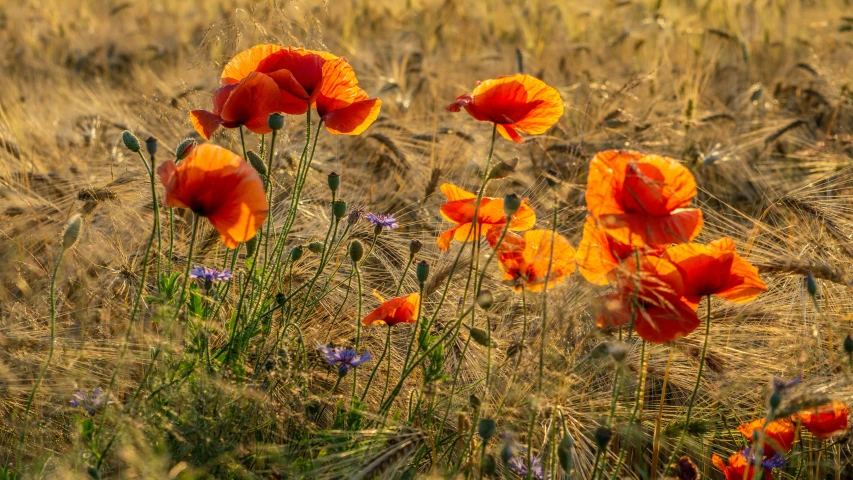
[
  {"x": 357, "y": 328},
  {"x": 378, "y": 362},
  {"x": 156, "y": 206},
  {"x": 639, "y": 396}
]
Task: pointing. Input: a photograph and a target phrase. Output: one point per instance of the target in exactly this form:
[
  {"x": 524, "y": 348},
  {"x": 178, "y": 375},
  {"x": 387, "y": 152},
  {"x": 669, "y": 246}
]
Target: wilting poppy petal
[
  {"x": 252, "y": 102},
  {"x": 247, "y": 62},
  {"x": 215, "y": 183},
  {"x": 205, "y": 123},
  {"x": 396, "y": 310},
  {"x": 826, "y": 420},
  {"x": 778, "y": 434}
]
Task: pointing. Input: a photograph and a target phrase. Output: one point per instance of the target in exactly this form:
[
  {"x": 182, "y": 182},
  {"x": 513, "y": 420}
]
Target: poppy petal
[
  {"x": 247, "y": 62},
  {"x": 252, "y": 102},
  {"x": 353, "y": 119},
  {"x": 597, "y": 255},
  {"x": 523, "y": 219},
  {"x": 453, "y": 193},
  {"x": 509, "y": 133},
  {"x": 548, "y": 107},
  {"x": 547, "y": 254},
  {"x": 205, "y": 123},
  {"x": 666, "y": 322},
  {"x": 680, "y": 226},
  {"x": 445, "y": 238},
  {"x": 294, "y": 98}
]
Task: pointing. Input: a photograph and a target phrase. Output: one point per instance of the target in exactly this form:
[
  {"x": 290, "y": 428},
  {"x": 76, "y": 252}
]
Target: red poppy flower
[
  {"x": 715, "y": 269},
  {"x": 599, "y": 254},
  {"x": 524, "y": 260},
  {"x": 215, "y": 183},
  {"x": 826, "y": 420},
  {"x": 460, "y": 210},
  {"x": 397, "y": 310},
  {"x": 308, "y": 78},
  {"x": 663, "y": 314},
  {"x": 778, "y": 434},
  {"x": 514, "y": 103},
  {"x": 249, "y": 103},
  {"x": 738, "y": 467},
  {"x": 642, "y": 199}
]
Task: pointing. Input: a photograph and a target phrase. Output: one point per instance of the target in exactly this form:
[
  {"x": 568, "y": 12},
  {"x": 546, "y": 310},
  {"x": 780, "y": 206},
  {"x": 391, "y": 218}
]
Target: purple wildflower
[
  {"x": 90, "y": 401},
  {"x": 210, "y": 274},
  {"x": 767, "y": 464},
  {"x": 782, "y": 385},
  {"x": 519, "y": 466},
  {"x": 344, "y": 358},
  {"x": 383, "y": 220}
]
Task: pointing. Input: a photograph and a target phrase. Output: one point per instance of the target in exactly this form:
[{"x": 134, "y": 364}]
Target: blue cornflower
[
  {"x": 210, "y": 274},
  {"x": 768, "y": 464},
  {"x": 383, "y": 220},
  {"x": 344, "y": 358},
  {"x": 782, "y": 385},
  {"x": 519, "y": 466},
  {"x": 91, "y": 402}
]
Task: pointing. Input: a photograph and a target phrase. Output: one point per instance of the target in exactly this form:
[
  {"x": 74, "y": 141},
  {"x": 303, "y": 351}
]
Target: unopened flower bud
[
  {"x": 602, "y": 437},
  {"x": 339, "y": 209},
  {"x": 256, "y": 162},
  {"x": 618, "y": 351},
  {"x": 279, "y": 299},
  {"x": 422, "y": 272},
  {"x": 489, "y": 466},
  {"x": 356, "y": 251},
  {"x": 315, "y": 247},
  {"x": 334, "y": 181},
  {"x": 811, "y": 284},
  {"x": 552, "y": 178},
  {"x": 130, "y": 141},
  {"x": 72, "y": 232},
  {"x": 474, "y": 401},
  {"x": 503, "y": 169},
  {"x": 512, "y": 203},
  {"x": 485, "y": 300},
  {"x": 377, "y": 229},
  {"x": 275, "y": 121},
  {"x": 415, "y": 247},
  {"x": 184, "y": 148},
  {"x": 296, "y": 253},
  {"x": 506, "y": 452},
  {"x": 151, "y": 146},
  {"x": 848, "y": 344},
  {"x": 775, "y": 400},
  {"x": 486, "y": 428}
]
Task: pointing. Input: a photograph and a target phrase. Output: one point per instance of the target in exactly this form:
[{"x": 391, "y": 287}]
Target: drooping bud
[
  {"x": 315, "y": 247},
  {"x": 415, "y": 247},
  {"x": 506, "y": 451},
  {"x": 422, "y": 272},
  {"x": 486, "y": 428},
  {"x": 503, "y": 169},
  {"x": 279, "y": 299},
  {"x": 512, "y": 203},
  {"x": 72, "y": 232},
  {"x": 602, "y": 437},
  {"x": 256, "y": 162},
  {"x": 275, "y": 121},
  {"x": 811, "y": 284},
  {"x": 334, "y": 181},
  {"x": 474, "y": 401},
  {"x": 552, "y": 178},
  {"x": 775, "y": 400},
  {"x": 485, "y": 299},
  {"x": 151, "y": 146},
  {"x": 564, "y": 452},
  {"x": 848, "y": 345},
  {"x": 130, "y": 141},
  {"x": 356, "y": 251},
  {"x": 339, "y": 209},
  {"x": 296, "y": 253},
  {"x": 184, "y": 148},
  {"x": 481, "y": 337}
]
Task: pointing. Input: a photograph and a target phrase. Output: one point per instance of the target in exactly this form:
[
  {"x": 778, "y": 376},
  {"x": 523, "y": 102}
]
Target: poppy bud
[
  {"x": 512, "y": 203},
  {"x": 811, "y": 284},
  {"x": 617, "y": 351},
  {"x": 564, "y": 452},
  {"x": 151, "y": 146},
  {"x": 552, "y": 178},
  {"x": 256, "y": 162},
  {"x": 488, "y": 465},
  {"x": 481, "y": 337},
  {"x": 275, "y": 121},
  {"x": 356, "y": 251},
  {"x": 296, "y": 254},
  {"x": 130, "y": 141},
  {"x": 485, "y": 299},
  {"x": 93, "y": 472},
  {"x": 422, "y": 272},
  {"x": 775, "y": 400},
  {"x": 72, "y": 232},
  {"x": 503, "y": 169},
  {"x": 506, "y": 451},
  {"x": 474, "y": 402},
  {"x": 339, "y": 209},
  {"x": 279, "y": 299},
  {"x": 848, "y": 344},
  {"x": 415, "y": 247},
  {"x": 486, "y": 428},
  {"x": 602, "y": 437},
  {"x": 184, "y": 148},
  {"x": 315, "y": 247},
  {"x": 334, "y": 181}
]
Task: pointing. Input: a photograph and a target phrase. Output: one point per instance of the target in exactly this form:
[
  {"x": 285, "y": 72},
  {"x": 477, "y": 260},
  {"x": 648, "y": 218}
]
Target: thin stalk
[
  {"x": 358, "y": 326},
  {"x": 378, "y": 362}
]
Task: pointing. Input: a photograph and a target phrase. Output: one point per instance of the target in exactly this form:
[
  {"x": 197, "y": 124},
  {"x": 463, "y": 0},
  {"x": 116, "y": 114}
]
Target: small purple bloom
[
  {"x": 344, "y": 358},
  {"x": 210, "y": 274},
  {"x": 767, "y": 464},
  {"x": 383, "y": 220},
  {"x": 519, "y": 466},
  {"x": 90, "y": 401},
  {"x": 782, "y": 385}
]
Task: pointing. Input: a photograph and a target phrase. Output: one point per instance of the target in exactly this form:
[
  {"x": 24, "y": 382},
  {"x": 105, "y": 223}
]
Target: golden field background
[{"x": 755, "y": 96}]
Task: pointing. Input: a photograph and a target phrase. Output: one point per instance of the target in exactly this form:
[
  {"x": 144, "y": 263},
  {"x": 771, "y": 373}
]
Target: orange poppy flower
[
  {"x": 309, "y": 78},
  {"x": 599, "y": 254},
  {"x": 460, "y": 210},
  {"x": 826, "y": 420},
  {"x": 778, "y": 434},
  {"x": 642, "y": 199},
  {"x": 514, "y": 103},
  {"x": 215, "y": 183},
  {"x": 663, "y": 314},
  {"x": 396, "y": 310},
  {"x": 715, "y": 269},
  {"x": 524, "y": 260},
  {"x": 738, "y": 467},
  {"x": 249, "y": 103}
]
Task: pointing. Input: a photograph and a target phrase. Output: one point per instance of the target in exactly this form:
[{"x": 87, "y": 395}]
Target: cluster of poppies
[{"x": 823, "y": 422}]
